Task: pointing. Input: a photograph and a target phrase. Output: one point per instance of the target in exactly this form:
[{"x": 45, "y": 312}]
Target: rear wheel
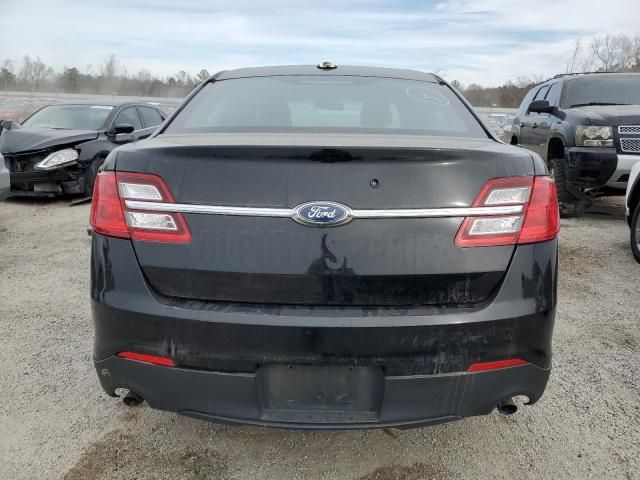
[
  {"x": 635, "y": 233},
  {"x": 568, "y": 203}
]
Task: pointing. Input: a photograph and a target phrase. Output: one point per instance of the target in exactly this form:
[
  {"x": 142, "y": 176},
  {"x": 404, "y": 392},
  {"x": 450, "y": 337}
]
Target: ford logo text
[{"x": 322, "y": 214}]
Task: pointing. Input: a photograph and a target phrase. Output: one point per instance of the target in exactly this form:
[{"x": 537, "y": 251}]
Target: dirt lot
[{"x": 55, "y": 421}]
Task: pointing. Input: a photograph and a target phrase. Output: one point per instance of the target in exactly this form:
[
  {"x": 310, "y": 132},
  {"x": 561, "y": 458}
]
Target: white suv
[{"x": 632, "y": 205}]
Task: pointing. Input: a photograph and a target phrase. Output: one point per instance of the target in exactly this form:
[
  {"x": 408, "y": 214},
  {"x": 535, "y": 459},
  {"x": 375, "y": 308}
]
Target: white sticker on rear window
[{"x": 427, "y": 95}]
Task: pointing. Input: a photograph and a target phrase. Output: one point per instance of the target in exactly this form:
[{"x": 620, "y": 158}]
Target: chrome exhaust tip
[
  {"x": 132, "y": 399},
  {"x": 507, "y": 407}
]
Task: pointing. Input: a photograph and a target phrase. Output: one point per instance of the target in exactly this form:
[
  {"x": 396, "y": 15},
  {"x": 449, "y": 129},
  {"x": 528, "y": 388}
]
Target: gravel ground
[{"x": 55, "y": 421}]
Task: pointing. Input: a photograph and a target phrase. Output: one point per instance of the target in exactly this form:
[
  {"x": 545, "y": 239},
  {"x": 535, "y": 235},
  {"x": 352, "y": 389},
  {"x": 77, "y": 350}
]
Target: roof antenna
[{"x": 327, "y": 66}]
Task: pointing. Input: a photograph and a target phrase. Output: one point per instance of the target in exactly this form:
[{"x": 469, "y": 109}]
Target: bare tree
[
  {"x": 574, "y": 56},
  {"x": 624, "y": 54},
  {"x": 636, "y": 54},
  {"x": 457, "y": 85},
  {"x": 103, "y": 77},
  {"x": 40, "y": 72},
  {"x": 144, "y": 75},
  {"x": 108, "y": 71},
  {"x": 109, "y": 67},
  {"x": 182, "y": 77},
  {"x": 7, "y": 77},
  {"x": 7, "y": 65},
  {"x": 606, "y": 51},
  {"x": 26, "y": 71},
  {"x": 202, "y": 75}
]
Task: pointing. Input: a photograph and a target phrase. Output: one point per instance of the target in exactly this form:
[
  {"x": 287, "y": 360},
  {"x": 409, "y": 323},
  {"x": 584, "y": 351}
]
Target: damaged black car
[
  {"x": 58, "y": 149},
  {"x": 324, "y": 247}
]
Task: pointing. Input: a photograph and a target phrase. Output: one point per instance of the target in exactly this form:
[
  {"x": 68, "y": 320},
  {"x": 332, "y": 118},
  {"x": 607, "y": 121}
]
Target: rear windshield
[
  {"x": 327, "y": 104},
  {"x": 605, "y": 89},
  {"x": 70, "y": 117}
]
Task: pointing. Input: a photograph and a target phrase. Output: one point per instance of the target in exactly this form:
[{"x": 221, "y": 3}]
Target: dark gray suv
[{"x": 587, "y": 129}]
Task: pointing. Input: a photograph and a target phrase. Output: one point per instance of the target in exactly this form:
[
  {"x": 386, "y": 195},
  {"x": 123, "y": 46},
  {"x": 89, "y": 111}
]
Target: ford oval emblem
[{"x": 322, "y": 214}]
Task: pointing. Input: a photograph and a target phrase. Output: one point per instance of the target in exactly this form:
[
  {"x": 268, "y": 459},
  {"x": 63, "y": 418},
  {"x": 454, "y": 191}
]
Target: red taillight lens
[
  {"x": 145, "y": 225},
  {"x": 111, "y": 216},
  {"x": 143, "y": 357},
  {"x": 496, "y": 365},
  {"x": 107, "y": 216},
  {"x": 538, "y": 220},
  {"x": 542, "y": 220}
]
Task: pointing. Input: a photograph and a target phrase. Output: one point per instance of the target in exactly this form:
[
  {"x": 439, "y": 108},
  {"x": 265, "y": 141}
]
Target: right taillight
[
  {"x": 537, "y": 221},
  {"x": 542, "y": 217},
  {"x": 110, "y": 215}
]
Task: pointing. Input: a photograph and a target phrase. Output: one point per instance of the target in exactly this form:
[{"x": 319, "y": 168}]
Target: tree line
[
  {"x": 610, "y": 53},
  {"x": 109, "y": 77}
]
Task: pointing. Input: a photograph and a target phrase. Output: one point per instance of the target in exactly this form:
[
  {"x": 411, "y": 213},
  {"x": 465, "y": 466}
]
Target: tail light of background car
[
  {"x": 110, "y": 215},
  {"x": 539, "y": 220}
]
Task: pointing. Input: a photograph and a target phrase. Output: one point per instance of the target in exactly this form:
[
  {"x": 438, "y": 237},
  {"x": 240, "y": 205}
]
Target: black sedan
[
  {"x": 58, "y": 149},
  {"x": 324, "y": 247}
]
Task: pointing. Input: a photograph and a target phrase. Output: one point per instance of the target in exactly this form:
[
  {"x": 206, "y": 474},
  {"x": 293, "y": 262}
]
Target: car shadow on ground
[
  {"x": 611, "y": 208},
  {"x": 45, "y": 201}
]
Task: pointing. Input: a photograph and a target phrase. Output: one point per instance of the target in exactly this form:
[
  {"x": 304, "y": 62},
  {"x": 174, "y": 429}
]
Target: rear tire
[
  {"x": 568, "y": 203},
  {"x": 635, "y": 233},
  {"x": 90, "y": 175}
]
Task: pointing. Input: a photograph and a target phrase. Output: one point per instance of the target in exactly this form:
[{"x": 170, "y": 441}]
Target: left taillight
[
  {"x": 110, "y": 215},
  {"x": 107, "y": 215},
  {"x": 537, "y": 220}
]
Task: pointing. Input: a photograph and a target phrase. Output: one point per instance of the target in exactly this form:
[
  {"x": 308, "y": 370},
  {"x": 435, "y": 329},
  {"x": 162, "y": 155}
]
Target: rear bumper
[
  {"x": 422, "y": 353},
  {"x": 406, "y": 401}
]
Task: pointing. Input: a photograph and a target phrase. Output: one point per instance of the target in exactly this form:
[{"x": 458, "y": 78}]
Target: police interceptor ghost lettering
[{"x": 324, "y": 247}]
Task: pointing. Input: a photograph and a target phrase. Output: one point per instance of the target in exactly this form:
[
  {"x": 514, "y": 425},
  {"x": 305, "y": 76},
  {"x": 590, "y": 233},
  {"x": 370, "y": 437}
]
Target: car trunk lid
[{"x": 367, "y": 261}]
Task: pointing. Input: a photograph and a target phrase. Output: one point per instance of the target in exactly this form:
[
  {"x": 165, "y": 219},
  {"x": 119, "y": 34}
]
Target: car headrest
[
  {"x": 375, "y": 115},
  {"x": 274, "y": 112}
]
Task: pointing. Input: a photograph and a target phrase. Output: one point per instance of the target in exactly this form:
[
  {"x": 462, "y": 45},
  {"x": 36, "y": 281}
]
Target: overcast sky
[{"x": 474, "y": 41}]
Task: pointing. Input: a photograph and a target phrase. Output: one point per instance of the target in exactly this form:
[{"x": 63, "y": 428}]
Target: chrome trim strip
[
  {"x": 208, "y": 209},
  {"x": 289, "y": 212},
  {"x": 438, "y": 212}
]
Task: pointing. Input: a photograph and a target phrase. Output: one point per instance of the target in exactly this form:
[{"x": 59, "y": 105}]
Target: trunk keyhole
[{"x": 374, "y": 183}]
